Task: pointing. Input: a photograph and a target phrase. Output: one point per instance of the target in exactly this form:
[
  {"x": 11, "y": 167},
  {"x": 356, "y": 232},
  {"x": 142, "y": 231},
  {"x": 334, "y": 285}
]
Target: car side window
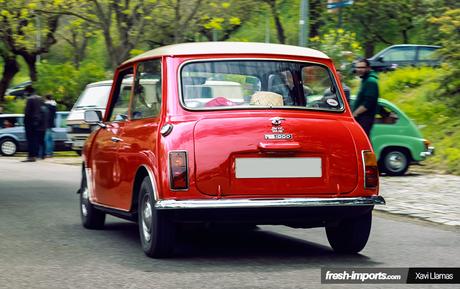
[
  {"x": 400, "y": 54},
  {"x": 121, "y": 96},
  {"x": 8, "y": 122},
  {"x": 385, "y": 115},
  {"x": 427, "y": 54},
  {"x": 147, "y": 90}
]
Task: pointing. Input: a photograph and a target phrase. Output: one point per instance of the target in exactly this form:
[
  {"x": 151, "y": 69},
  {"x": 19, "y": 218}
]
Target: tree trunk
[
  {"x": 279, "y": 29},
  {"x": 405, "y": 36},
  {"x": 316, "y": 10},
  {"x": 10, "y": 68},
  {"x": 30, "y": 60},
  {"x": 369, "y": 48},
  {"x": 278, "y": 24}
]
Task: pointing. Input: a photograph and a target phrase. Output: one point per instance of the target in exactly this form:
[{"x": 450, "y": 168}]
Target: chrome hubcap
[
  {"x": 396, "y": 161},
  {"x": 8, "y": 147},
  {"x": 84, "y": 195},
  {"x": 146, "y": 218}
]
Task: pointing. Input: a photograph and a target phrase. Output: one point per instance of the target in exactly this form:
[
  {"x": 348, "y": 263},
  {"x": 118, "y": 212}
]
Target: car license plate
[
  {"x": 246, "y": 168},
  {"x": 79, "y": 143}
]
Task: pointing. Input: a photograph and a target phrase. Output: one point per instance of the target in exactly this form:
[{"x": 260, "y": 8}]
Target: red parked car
[{"x": 221, "y": 132}]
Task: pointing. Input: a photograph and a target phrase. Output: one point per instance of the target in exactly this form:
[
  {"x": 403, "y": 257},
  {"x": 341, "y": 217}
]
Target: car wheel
[
  {"x": 156, "y": 231},
  {"x": 395, "y": 162},
  {"x": 350, "y": 235},
  {"x": 91, "y": 217},
  {"x": 8, "y": 147}
]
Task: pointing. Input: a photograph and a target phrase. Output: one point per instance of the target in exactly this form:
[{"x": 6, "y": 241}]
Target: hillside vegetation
[{"x": 417, "y": 92}]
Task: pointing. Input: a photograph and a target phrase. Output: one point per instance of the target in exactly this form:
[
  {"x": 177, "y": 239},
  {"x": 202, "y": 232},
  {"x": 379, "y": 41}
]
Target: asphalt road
[{"x": 43, "y": 245}]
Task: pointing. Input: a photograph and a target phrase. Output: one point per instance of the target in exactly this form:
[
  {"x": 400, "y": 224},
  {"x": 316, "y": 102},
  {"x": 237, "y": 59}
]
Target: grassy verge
[{"x": 415, "y": 91}]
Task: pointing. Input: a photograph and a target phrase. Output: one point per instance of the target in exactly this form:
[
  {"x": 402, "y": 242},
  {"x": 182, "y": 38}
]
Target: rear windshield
[
  {"x": 258, "y": 83},
  {"x": 93, "y": 96}
]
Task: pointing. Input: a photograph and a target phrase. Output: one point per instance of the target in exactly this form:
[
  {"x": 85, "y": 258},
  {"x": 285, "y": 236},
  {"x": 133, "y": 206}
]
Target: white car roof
[
  {"x": 101, "y": 83},
  {"x": 200, "y": 48},
  {"x": 11, "y": 114}
]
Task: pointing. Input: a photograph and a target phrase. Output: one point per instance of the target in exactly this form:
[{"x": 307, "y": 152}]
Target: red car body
[{"x": 200, "y": 156}]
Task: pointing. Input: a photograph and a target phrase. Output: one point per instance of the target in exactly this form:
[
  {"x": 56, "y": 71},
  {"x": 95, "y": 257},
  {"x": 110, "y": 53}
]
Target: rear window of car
[{"x": 240, "y": 84}]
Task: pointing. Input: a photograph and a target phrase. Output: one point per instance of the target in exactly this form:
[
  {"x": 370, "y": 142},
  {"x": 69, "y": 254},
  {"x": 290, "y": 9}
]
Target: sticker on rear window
[{"x": 332, "y": 102}]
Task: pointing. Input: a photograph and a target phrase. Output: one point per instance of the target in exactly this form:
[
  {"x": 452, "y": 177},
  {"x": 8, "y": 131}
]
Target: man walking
[
  {"x": 32, "y": 122},
  {"x": 366, "y": 103}
]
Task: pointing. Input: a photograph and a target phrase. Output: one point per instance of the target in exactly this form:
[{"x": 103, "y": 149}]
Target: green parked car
[{"x": 396, "y": 140}]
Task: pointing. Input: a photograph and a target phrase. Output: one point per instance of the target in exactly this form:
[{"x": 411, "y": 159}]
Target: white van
[{"x": 94, "y": 96}]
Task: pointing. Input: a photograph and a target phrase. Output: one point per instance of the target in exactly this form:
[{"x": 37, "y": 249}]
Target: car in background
[
  {"x": 401, "y": 55},
  {"x": 94, "y": 96},
  {"x": 13, "y": 135},
  {"x": 18, "y": 91},
  {"x": 396, "y": 140},
  {"x": 222, "y": 133}
]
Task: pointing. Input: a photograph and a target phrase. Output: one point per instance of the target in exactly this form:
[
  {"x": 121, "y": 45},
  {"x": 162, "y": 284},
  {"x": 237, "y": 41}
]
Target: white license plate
[
  {"x": 278, "y": 168},
  {"x": 79, "y": 143}
]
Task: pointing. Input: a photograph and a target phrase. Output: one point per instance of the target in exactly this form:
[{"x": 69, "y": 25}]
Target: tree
[
  {"x": 175, "y": 21},
  {"x": 220, "y": 20},
  {"x": 26, "y": 31},
  {"x": 449, "y": 28},
  {"x": 274, "y": 8},
  {"x": 10, "y": 68},
  {"x": 123, "y": 23},
  {"x": 385, "y": 21},
  {"x": 76, "y": 32}
]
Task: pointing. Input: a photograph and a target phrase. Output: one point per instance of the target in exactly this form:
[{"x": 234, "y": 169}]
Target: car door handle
[
  {"x": 116, "y": 139},
  {"x": 287, "y": 146}
]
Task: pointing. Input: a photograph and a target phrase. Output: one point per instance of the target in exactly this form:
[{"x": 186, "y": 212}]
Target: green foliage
[
  {"x": 413, "y": 90},
  {"x": 340, "y": 45},
  {"x": 403, "y": 79},
  {"x": 449, "y": 28},
  {"x": 14, "y": 106},
  {"x": 65, "y": 82},
  {"x": 255, "y": 28}
]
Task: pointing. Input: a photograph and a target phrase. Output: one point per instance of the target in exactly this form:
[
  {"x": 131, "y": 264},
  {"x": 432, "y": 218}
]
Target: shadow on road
[{"x": 212, "y": 250}]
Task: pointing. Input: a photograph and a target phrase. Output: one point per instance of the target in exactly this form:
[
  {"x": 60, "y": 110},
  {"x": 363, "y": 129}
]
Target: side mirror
[
  {"x": 380, "y": 59},
  {"x": 94, "y": 117}
]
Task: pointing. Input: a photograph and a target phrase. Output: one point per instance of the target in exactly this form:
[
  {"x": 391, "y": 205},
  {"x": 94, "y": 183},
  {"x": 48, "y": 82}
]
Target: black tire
[
  {"x": 8, "y": 147},
  {"x": 91, "y": 218},
  {"x": 394, "y": 162},
  {"x": 351, "y": 235},
  {"x": 157, "y": 232}
]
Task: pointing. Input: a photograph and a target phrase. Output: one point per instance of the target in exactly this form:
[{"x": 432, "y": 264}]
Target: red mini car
[{"x": 221, "y": 132}]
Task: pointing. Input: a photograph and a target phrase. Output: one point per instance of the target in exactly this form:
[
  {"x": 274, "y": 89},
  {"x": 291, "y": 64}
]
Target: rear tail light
[
  {"x": 371, "y": 172},
  {"x": 178, "y": 170}
]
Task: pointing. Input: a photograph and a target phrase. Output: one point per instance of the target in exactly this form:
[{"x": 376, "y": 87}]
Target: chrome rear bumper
[{"x": 268, "y": 203}]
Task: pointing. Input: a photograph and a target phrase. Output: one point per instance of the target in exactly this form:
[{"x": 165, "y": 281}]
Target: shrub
[
  {"x": 65, "y": 82},
  {"x": 14, "y": 106}
]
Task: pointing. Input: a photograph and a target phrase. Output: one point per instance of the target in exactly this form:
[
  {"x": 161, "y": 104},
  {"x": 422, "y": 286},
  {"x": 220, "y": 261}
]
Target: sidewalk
[{"x": 430, "y": 197}]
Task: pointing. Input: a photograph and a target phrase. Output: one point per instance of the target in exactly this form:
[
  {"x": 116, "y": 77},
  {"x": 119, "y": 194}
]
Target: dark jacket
[
  {"x": 368, "y": 94},
  {"x": 51, "y": 105},
  {"x": 32, "y": 112}
]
